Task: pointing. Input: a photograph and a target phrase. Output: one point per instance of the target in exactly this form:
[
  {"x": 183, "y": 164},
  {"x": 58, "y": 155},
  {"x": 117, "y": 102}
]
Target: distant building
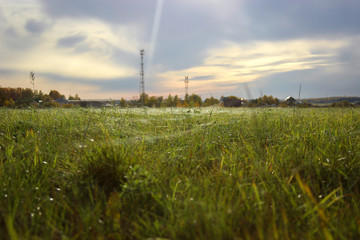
[
  {"x": 61, "y": 101},
  {"x": 231, "y": 101},
  {"x": 290, "y": 100},
  {"x": 92, "y": 103}
]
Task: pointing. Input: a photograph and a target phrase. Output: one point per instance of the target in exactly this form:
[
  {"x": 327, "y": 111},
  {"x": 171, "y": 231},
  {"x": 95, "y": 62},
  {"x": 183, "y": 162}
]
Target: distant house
[
  {"x": 290, "y": 100},
  {"x": 61, "y": 101},
  {"x": 231, "y": 101},
  {"x": 92, "y": 103}
]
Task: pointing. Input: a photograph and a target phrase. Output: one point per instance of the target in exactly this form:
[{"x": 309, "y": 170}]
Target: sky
[{"x": 244, "y": 48}]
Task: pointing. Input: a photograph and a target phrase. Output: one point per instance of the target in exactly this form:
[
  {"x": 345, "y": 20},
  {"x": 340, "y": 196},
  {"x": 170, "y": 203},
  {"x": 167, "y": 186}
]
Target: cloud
[
  {"x": 35, "y": 27},
  {"x": 219, "y": 44},
  {"x": 115, "y": 12},
  {"x": 70, "y": 41},
  {"x": 282, "y": 19},
  {"x": 234, "y": 63}
]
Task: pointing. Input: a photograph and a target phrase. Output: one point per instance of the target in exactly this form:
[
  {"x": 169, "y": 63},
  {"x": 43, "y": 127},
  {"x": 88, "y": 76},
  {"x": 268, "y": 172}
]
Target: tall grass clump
[{"x": 209, "y": 173}]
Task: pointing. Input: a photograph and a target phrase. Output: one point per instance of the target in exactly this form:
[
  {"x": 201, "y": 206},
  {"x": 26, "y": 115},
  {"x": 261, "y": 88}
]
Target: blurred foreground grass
[{"x": 210, "y": 173}]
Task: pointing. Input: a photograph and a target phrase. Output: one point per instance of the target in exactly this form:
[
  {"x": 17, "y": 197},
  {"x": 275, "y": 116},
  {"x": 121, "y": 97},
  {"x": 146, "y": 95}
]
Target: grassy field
[{"x": 209, "y": 173}]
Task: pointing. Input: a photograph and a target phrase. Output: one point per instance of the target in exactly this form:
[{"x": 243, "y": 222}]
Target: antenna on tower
[
  {"x": 186, "y": 81},
  {"x": 142, "y": 82}
]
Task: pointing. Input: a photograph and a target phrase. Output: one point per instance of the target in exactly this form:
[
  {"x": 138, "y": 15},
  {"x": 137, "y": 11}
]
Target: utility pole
[{"x": 142, "y": 81}]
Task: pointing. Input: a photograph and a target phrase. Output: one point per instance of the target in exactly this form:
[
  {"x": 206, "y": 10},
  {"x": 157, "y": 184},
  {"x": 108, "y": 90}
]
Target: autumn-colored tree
[
  {"x": 46, "y": 98},
  {"x": 54, "y": 94},
  {"x": 195, "y": 100},
  {"x": 27, "y": 94}
]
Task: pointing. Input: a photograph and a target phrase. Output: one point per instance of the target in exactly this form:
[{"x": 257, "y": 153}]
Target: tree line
[
  {"x": 24, "y": 97},
  {"x": 192, "y": 100}
]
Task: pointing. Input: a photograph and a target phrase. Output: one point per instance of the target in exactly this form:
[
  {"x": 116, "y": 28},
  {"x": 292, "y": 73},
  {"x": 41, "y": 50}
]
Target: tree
[
  {"x": 210, "y": 101},
  {"x": 27, "y": 94},
  {"x": 195, "y": 100},
  {"x": 143, "y": 99},
  {"x": 151, "y": 102},
  {"x": 169, "y": 101},
  {"x": 159, "y": 101},
  {"x": 54, "y": 94},
  {"x": 38, "y": 95},
  {"x": 122, "y": 103},
  {"x": 46, "y": 98}
]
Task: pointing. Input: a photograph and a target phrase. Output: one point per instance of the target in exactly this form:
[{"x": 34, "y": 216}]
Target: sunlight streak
[{"x": 154, "y": 35}]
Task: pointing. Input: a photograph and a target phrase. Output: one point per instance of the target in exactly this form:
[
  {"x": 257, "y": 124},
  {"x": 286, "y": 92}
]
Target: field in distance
[{"x": 181, "y": 173}]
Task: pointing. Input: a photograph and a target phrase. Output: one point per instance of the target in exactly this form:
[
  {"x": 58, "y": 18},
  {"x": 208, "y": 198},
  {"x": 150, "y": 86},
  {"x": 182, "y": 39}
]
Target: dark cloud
[
  {"x": 107, "y": 10},
  {"x": 281, "y": 19},
  {"x": 186, "y": 32},
  {"x": 186, "y": 29},
  {"x": 70, "y": 41},
  {"x": 35, "y": 27}
]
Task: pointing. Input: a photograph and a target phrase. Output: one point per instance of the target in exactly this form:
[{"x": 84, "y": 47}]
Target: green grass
[{"x": 210, "y": 173}]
